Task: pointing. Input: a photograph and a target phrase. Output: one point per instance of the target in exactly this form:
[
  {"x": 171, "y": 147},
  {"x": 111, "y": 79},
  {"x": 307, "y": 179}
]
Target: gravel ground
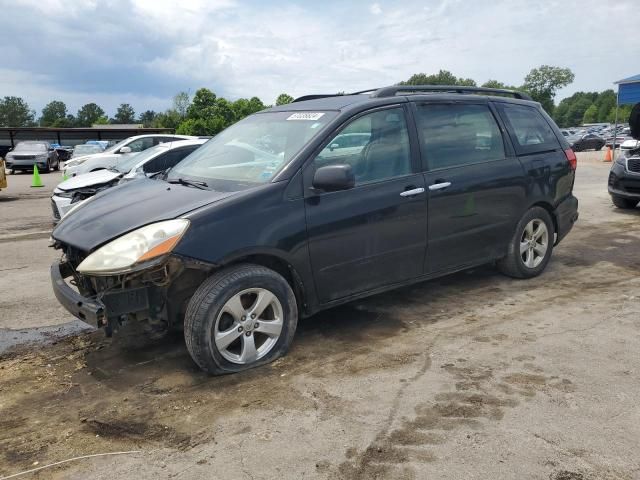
[{"x": 472, "y": 376}]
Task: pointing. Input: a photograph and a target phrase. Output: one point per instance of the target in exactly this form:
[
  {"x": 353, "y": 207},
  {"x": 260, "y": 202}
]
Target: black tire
[
  {"x": 47, "y": 167},
  {"x": 210, "y": 298},
  {"x": 598, "y": 148},
  {"x": 512, "y": 264},
  {"x": 624, "y": 203},
  {"x": 57, "y": 168}
]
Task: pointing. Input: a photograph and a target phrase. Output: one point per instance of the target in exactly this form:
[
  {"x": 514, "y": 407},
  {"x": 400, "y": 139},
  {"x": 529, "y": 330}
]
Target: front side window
[
  {"x": 529, "y": 131},
  {"x": 253, "y": 150},
  {"x": 458, "y": 134},
  {"x": 376, "y": 146},
  {"x": 141, "y": 144}
]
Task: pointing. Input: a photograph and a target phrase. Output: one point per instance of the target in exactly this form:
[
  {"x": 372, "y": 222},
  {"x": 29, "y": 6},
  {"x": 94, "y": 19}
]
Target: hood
[
  {"x": 88, "y": 179},
  {"x": 630, "y": 144},
  {"x": 126, "y": 207},
  {"x": 27, "y": 152}
]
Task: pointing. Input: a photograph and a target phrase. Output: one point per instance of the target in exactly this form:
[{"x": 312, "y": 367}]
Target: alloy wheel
[
  {"x": 534, "y": 243},
  {"x": 248, "y": 326}
]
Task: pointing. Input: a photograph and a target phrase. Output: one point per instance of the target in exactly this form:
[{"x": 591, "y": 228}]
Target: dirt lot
[{"x": 473, "y": 376}]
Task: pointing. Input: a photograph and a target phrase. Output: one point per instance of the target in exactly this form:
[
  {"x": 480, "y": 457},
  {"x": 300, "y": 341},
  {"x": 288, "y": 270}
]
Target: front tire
[
  {"x": 623, "y": 203},
  {"x": 530, "y": 248},
  {"x": 240, "y": 318}
]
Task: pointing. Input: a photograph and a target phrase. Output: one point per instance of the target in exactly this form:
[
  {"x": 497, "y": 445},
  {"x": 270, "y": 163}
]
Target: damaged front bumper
[
  {"x": 89, "y": 310},
  {"x": 153, "y": 296},
  {"x": 100, "y": 310}
]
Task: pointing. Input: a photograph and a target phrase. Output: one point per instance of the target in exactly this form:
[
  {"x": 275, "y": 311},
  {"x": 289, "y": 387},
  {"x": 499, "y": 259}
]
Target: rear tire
[
  {"x": 623, "y": 203},
  {"x": 530, "y": 247},
  {"x": 219, "y": 330}
]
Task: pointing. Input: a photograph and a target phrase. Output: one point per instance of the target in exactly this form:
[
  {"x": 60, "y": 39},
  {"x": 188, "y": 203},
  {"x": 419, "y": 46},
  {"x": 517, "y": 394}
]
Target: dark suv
[
  {"x": 624, "y": 177},
  {"x": 278, "y": 217}
]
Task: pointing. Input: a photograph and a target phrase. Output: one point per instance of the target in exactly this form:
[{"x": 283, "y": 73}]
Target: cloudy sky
[{"x": 144, "y": 51}]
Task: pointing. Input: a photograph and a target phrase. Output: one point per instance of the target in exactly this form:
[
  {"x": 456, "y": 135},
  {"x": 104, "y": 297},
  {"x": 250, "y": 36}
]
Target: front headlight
[{"x": 134, "y": 249}]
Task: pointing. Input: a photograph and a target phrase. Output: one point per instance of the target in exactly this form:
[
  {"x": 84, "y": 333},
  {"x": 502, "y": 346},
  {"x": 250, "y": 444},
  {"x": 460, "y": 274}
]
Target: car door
[
  {"x": 373, "y": 234},
  {"x": 475, "y": 183}
]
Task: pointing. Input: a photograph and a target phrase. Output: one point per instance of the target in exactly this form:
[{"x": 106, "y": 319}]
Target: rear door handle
[
  {"x": 439, "y": 186},
  {"x": 412, "y": 192}
]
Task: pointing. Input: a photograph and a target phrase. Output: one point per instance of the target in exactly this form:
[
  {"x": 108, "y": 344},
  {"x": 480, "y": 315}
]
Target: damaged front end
[{"x": 153, "y": 290}]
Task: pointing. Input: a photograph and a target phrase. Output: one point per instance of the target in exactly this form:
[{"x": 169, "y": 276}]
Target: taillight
[{"x": 571, "y": 157}]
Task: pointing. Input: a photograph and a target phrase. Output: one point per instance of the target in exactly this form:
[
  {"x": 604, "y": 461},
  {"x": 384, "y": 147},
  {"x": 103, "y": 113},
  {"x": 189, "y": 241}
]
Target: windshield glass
[
  {"x": 117, "y": 145},
  {"x": 251, "y": 151},
  {"x": 126, "y": 164},
  {"x": 79, "y": 150},
  {"x": 31, "y": 147}
]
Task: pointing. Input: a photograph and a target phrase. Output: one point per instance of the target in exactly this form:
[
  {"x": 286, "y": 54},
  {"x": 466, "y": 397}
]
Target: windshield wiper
[{"x": 190, "y": 183}]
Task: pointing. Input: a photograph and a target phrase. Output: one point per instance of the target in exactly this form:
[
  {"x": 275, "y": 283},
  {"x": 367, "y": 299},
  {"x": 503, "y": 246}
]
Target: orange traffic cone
[{"x": 607, "y": 156}]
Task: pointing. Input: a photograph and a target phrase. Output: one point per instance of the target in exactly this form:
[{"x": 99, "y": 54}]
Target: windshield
[
  {"x": 129, "y": 162},
  {"x": 252, "y": 150},
  {"x": 86, "y": 150},
  {"x": 31, "y": 147},
  {"x": 117, "y": 145}
]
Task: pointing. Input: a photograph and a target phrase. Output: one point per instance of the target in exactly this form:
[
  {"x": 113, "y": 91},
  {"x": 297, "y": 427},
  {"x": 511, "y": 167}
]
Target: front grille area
[
  {"x": 56, "y": 212},
  {"x": 24, "y": 157},
  {"x": 633, "y": 164}
]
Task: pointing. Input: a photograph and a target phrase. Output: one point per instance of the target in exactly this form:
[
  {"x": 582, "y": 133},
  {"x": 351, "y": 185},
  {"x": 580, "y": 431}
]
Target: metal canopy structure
[
  {"x": 10, "y": 135},
  {"x": 628, "y": 94}
]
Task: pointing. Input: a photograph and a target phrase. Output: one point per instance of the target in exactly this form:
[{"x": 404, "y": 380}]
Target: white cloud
[{"x": 375, "y": 9}]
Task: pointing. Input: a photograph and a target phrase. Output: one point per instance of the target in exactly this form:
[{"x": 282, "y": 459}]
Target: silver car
[{"x": 29, "y": 153}]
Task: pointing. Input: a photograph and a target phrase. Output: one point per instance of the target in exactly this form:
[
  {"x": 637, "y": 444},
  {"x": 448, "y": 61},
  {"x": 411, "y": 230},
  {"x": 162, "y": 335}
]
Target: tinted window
[
  {"x": 529, "y": 130},
  {"x": 141, "y": 144},
  {"x": 458, "y": 134},
  {"x": 168, "y": 160},
  {"x": 376, "y": 145}
]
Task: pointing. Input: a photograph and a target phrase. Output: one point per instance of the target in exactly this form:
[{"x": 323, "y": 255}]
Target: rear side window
[
  {"x": 458, "y": 134},
  {"x": 528, "y": 129}
]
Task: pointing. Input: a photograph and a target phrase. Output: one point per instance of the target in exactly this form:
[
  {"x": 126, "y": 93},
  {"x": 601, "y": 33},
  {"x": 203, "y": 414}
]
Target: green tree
[
  {"x": 284, "y": 99},
  {"x": 89, "y": 114},
  {"x": 497, "y": 84},
  {"x": 54, "y": 114},
  {"x": 591, "y": 114},
  {"x": 124, "y": 114},
  {"x": 169, "y": 119},
  {"x": 605, "y": 102},
  {"x": 147, "y": 118},
  {"x": 543, "y": 83},
  {"x": 443, "y": 77},
  {"x": 15, "y": 112},
  {"x": 181, "y": 104},
  {"x": 202, "y": 105},
  {"x": 576, "y": 111},
  {"x": 103, "y": 120}
]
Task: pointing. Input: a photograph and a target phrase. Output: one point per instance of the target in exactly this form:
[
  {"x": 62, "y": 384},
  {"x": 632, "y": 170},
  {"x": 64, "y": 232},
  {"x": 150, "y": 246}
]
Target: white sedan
[
  {"x": 160, "y": 158},
  {"x": 112, "y": 156}
]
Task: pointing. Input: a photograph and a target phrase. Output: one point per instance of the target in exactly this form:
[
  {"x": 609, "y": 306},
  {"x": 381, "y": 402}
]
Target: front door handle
[
  {"x": 412, "y": 192},
  {"x": 439, "y": 186}
]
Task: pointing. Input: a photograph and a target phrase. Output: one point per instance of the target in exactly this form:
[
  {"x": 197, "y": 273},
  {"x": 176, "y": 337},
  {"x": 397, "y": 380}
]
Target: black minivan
[{"x": 305, "y": 206}]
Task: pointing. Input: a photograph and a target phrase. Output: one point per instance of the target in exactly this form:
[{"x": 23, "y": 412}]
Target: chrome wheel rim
[
  {"x": 534, "y": 243},
  {"x": 248, "y": 326}
]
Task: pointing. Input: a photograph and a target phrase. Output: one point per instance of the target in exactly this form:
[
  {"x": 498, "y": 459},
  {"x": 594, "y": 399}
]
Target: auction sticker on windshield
[{"x": 305, "y": 116}]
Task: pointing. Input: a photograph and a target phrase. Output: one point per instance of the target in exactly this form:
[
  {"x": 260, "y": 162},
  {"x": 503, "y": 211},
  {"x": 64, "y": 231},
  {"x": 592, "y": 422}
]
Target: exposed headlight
[
  {"x": 134, "y": 249},
  {"x": 63, "y": 193}
]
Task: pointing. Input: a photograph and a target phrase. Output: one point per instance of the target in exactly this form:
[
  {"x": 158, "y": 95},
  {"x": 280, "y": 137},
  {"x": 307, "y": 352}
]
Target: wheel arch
[
  {"x": 278, "y": 263},
  {"x": 549, "y": 208}
]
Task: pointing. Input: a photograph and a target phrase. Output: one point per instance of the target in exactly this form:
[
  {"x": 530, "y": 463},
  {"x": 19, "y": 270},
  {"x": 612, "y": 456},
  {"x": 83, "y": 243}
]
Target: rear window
[{"x": 528, "y": 129}]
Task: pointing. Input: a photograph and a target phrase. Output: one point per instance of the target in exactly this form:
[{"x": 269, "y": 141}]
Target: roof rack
[
  {"x": 392, "y": 91},
  {"x": 315, "y": 97}
]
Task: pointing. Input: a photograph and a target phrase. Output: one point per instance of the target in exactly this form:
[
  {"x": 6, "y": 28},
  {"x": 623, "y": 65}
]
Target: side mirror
[
  {"x": 333, "y": 146},
  {"x": 333, "y": 178},
  {"x": 125, "y": 150}
]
